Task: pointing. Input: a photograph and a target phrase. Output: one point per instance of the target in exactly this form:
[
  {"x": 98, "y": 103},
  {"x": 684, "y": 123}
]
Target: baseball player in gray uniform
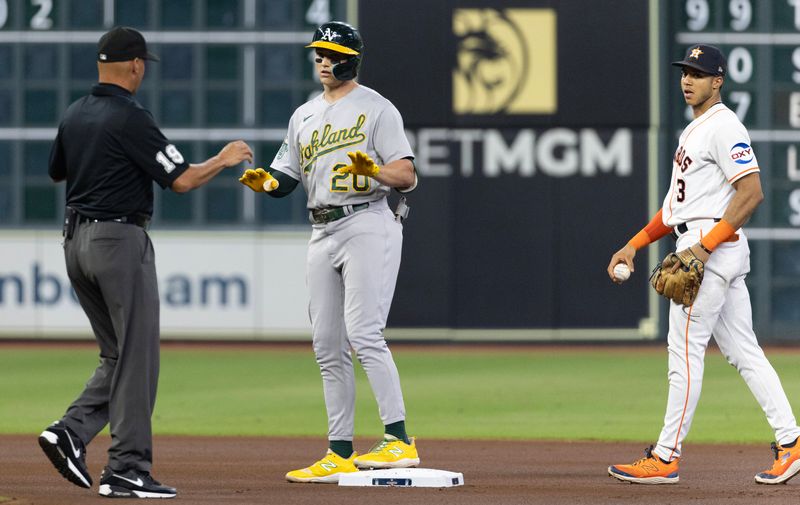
[{"x": 348, "y": 148}]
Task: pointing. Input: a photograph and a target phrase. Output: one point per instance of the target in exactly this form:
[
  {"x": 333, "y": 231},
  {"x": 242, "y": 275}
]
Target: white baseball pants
[{"x": 722, "y": 309}]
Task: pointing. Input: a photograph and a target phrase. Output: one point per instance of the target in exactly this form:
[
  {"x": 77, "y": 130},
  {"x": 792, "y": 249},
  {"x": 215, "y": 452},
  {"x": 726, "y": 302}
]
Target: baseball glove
[
  {"x": 362, "y": 164},
  {"x": 678, "y": 277}
]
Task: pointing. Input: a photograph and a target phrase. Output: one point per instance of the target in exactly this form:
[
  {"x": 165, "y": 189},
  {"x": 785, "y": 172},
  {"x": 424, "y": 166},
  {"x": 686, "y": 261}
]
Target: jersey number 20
[{"x": 342, "y": 183}]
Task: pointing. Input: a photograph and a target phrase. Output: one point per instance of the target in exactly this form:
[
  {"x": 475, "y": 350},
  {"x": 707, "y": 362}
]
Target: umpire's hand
[
  {"x": 235, "y": 152},
  {"x": 200, "y": 173}
]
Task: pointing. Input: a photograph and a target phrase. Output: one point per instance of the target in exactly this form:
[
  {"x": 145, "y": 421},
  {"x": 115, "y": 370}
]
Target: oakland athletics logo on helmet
[{"x": 341, "y": 38}]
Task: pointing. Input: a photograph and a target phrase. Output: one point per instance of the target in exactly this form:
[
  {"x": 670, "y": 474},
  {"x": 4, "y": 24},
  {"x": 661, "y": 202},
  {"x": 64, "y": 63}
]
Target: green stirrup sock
[
  {"x": 398, "y": 430},
  {"x": 343, "y": 448}
]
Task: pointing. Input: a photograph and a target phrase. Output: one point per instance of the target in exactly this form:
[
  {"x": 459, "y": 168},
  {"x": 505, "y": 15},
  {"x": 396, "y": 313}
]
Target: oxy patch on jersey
[
  {"x": 331, "y": 140},
  {"x": 742, "y": 153}
]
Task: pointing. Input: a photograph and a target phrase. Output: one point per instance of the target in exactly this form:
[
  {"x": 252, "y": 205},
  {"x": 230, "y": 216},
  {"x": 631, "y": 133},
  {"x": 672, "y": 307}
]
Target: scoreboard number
[
  {"x": 319, "y": 12},
  {"x": 740, "y": 65},
  {"x": 742, "y": 99},
  {"x": 741, "y": 14},
  {"x": 39, "y": 21},
  {"x": 796, "y": 5},
  {"x": 796, "y": 63},
  {"x": 698, "y": 13},
  {"x": 741, "y": 11},
  {"x": 794, "y": 204},
  {"x": 41, "y": 18}
]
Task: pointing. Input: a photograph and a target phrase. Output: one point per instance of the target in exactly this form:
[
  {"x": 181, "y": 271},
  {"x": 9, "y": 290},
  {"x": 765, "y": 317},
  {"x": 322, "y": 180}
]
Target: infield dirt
[{"x": 250, "y": 470}]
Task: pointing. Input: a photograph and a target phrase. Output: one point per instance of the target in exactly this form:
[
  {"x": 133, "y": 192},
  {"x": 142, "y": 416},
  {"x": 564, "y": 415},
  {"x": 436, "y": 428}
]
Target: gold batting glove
[
  {"x": 259, "y": 180},
  {"x": 361, "y": 164}
]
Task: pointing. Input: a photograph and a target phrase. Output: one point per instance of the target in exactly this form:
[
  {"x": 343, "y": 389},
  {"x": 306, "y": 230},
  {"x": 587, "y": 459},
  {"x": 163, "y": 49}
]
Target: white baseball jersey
[
  {"x": 320, "y": 135},
  {"x": 713, "y": 152}
]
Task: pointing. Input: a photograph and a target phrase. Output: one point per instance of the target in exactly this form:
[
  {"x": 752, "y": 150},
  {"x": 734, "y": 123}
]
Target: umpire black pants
[{"x": 112, "y": 268}]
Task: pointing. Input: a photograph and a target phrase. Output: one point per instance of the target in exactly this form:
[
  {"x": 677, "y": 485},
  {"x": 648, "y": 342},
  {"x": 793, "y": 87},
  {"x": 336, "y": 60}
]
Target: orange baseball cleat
[
  {"x": 786, "y": 466},
  {"x": 649, "y": 470}
]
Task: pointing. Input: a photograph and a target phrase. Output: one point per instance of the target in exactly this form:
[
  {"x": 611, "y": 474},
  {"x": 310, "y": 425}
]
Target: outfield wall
[
  {"x": 216, "y": 285},
  {"x": 225, "y": 285},
  {"x": 535, "y": 155}
]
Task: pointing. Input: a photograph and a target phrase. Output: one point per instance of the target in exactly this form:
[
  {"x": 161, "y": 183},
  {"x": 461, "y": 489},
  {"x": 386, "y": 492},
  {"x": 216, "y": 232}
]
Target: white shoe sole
[
  {"x": 52, "y": 439},
  {"x": 106, "y": 490},
  {"x": 328, "y": 479},
  {"x": 648, "y": 480},
  {"x": 400, "y": 463},
  {"x": 793, "y": 470}
]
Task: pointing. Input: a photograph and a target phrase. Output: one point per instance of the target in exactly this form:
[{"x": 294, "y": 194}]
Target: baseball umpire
[
  {"x": 109, "y": 150},
  {"x": 714, "y": 189},
  {"x": 354, "y": 251}
]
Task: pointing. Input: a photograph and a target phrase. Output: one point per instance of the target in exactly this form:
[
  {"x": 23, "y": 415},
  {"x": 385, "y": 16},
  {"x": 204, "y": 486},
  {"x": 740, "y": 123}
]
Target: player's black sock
[
  {"x": 398, "y": 430},
  {"x": 343, "y": 448},
  {"x": 791, "y": 444}
]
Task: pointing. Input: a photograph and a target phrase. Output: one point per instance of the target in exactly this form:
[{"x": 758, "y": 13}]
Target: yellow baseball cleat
[
  {"x": 390, "y": 453},
  {"x": 327, "y": 470},
  {"x": 649, "y": 470}
]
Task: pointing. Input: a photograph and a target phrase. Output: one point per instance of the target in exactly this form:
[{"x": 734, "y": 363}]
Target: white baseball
[{"x": 622, "y": 272}]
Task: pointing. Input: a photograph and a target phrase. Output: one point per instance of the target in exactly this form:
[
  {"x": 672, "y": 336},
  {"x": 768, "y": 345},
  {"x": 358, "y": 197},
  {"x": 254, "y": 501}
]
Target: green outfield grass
[{"x": 568, "y": 394}]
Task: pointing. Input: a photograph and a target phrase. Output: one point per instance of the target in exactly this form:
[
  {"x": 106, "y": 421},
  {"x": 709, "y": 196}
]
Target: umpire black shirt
[{"x": 110, "y": 151}]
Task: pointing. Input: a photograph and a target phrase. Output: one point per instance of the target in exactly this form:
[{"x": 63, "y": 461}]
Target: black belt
[
  {"x": 330, "y": 214},
  {"x": 682, "y": 228},
  {"x": 139, "y": 220}
]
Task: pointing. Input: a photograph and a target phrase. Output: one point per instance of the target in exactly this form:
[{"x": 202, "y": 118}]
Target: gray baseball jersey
[{"x": 320, "y": 135}]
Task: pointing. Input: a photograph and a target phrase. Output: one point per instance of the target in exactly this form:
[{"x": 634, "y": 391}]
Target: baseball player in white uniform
[
  {"x": 348, "y": 149},
  {"x": 715, "y": 188}
]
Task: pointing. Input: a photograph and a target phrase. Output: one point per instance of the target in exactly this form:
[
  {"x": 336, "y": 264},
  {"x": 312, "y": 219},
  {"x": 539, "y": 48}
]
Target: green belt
[{"x": 323, "y": 216}]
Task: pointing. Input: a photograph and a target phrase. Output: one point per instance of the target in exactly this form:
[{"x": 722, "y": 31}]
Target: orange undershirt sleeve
[{"x": 654, "y": 230}]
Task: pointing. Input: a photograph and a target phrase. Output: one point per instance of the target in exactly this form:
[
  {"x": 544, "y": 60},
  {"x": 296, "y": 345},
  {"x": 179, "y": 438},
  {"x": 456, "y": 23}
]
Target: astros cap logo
[{"x": 696, "y": 52}]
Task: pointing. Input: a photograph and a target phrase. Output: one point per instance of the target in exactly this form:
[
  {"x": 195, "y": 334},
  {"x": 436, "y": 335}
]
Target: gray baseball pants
[
  {"x": 352, "y": 269},
  {"x": 112, "y": 269}
]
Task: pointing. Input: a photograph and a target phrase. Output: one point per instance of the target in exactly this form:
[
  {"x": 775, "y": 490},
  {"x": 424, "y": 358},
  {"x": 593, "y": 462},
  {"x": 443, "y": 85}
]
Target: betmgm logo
[{"x": 506, "y": 61}]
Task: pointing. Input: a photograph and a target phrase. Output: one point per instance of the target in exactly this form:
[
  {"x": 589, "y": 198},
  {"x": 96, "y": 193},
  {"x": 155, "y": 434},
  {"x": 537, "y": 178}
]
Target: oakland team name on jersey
[{"x": 331, "y": 140}]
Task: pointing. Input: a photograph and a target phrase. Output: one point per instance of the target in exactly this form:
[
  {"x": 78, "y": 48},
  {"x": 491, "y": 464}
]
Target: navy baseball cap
[
  {"x": 123, "y": 44},
  {"x": 705, "y": 58}
]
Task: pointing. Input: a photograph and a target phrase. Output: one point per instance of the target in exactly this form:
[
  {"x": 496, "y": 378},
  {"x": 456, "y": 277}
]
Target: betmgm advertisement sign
[
  {"x": 505, "y": 61},
  {"x": 529, "y": 122}
]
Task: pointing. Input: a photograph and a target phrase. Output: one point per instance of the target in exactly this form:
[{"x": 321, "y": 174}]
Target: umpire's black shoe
[
  {"x": 132, "y": 484},
  {"x": 67, "y": 453}
]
